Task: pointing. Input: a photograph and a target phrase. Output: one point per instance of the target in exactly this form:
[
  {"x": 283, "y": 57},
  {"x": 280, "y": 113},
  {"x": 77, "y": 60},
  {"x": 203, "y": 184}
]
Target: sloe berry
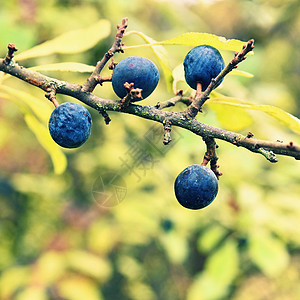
[
  {"x": 202, "y": 64},
  {"x": 196, "y": 186},
  {"x": 138, "y": 70},
  {"x": 70, "y": 125}
]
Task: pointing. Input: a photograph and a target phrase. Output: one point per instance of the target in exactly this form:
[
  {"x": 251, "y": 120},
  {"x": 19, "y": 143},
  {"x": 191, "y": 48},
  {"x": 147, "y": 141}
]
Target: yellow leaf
[
  {"x": 32, "y": 293},
  {"x": 241, "y": 73},
  {"x": 78, "y": 288},
  {"x": 89, "y": 264},
  {"x": 284, "y": 117},
  {"x": 65, "y": 67},
  {"x": 40, "y": 107},
  {"x": 70, "y": 42},
  {"x": 231, "y": 118},
  {"x": 58, "y": 158},
  {"x": 13, "y": 279},
  {"x": 197, "y": 38},
  {"x": 160, "y": 54}
]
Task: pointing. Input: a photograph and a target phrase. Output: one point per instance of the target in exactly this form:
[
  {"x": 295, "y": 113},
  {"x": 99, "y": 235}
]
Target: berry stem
[{"x": 211, "y": 155}]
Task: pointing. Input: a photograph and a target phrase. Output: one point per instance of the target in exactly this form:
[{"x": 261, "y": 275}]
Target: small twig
[
  {"x": 51, "y": 95},
  {"x": 201, "y": 98},
  {"x": 105, "y": 115},
  {"x": 167, "y": 135},
  {"x": 10, "y": 54},
  {"x": 211, "y": 156},
  {"x": 172, "y": 102},
  {"x": 92, "y": 81},
  {"x": 269, "y": 155},
  {"x": 102, "y": 79}
]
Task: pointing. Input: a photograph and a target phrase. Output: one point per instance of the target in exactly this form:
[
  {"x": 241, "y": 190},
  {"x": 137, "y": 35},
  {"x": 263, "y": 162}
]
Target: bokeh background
[{"x": 109, "y": 226}]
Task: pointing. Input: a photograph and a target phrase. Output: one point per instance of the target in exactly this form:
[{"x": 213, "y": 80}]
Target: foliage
[{"x": 58, "y": 241}]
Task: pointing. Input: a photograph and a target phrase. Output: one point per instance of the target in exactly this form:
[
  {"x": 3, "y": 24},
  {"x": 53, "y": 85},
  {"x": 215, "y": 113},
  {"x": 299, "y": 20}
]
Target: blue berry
[
  {"x": 138, "y": 70},
  {"x": 196, "y": 187},
  {"x": 202, "y": 64},
  {"x": 70, "y": 125}
]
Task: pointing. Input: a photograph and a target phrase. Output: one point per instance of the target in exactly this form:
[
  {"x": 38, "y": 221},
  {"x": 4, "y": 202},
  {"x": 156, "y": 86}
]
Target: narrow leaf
[
  {"x": 65, "y": 67},
  {"x": 160, "y": 54},
  {"x": 70, "y": 42},
  {"x": 284, "y": 117},
  {"x": 197, "y": 38}
]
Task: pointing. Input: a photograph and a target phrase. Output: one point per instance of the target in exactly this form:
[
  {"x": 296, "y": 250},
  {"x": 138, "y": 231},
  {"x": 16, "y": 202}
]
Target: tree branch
[{"x": 179, "y": 119}]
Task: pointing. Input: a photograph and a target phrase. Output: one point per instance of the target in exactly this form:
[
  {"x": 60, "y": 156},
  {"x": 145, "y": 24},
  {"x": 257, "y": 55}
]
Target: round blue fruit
[
  {"x": 138, "y": 70},
  {"x": 202, "y": 64},
  {"x": 70, "y": 125},
  {"x": 196, "y": 187}
]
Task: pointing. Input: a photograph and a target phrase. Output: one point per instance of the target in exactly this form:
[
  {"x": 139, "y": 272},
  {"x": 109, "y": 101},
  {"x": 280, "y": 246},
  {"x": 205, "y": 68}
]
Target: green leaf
[
  {"x": 210, "y": 238},
  {"x": 58, "y": 158},
  {"x": 65, "y": 67},
  {"x": 284, "y": 117},
  {"x": 70, "y": 42},
  {"x": 220, "y": 270},
  {"x": 160, "y": 54},
  {"x": 89, "y": 264},
  {"x": 197, "y": 38},
  {"x": 268, "y": 253}
]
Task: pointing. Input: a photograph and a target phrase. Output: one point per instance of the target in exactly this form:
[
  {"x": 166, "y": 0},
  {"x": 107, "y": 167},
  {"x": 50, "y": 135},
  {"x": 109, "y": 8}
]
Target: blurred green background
[{"x": 59, "y": 237}]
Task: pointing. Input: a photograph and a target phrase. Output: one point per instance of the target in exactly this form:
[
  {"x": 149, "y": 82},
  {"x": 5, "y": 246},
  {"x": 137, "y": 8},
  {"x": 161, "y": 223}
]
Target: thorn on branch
[
  {"x": 10, "y": 54},
  {"x": 167, "y": 135}
]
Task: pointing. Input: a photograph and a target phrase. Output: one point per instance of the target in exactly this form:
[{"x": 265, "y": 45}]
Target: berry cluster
[{"x": 70, "y": 124}]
